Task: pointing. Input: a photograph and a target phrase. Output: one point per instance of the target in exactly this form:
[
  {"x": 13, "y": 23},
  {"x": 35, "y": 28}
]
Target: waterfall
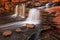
[
  {"x": 34, "y": 14},
  {"x": 22, "y": 10},
  {"x": 33, "y": 17},
  {"x": 16, "y": 12},
  {"x": 48, "y": 5},
  {"x": 19, "y": 11}
]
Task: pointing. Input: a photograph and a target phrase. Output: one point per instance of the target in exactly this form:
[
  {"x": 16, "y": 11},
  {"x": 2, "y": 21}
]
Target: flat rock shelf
[{"x": 25, "y": 35}]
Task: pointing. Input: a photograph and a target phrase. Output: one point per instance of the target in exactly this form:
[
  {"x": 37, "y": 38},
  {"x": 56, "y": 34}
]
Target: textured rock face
[
  {"x": 7, "y": 6},
  {"x": 52, "y": 34},
  {"x": 51, "y": 21},
  {"x": 56, "y": 16}
]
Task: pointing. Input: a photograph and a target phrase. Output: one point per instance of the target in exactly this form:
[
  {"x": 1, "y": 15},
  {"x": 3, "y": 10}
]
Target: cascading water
[
  {"x": 21, "y": 10},
  {"x": 16, "y": 12},
  {"x": 34, "y": 14},
  {"x": 33, "y": 17}
]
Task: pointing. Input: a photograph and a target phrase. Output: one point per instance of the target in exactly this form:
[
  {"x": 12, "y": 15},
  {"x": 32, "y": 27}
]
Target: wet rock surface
[
  {"x": 48, "y": 31},
  {"x": 16, "y": 33},
  {"x": 30, "y": 26},
  {"x": 8, "y": 19}
]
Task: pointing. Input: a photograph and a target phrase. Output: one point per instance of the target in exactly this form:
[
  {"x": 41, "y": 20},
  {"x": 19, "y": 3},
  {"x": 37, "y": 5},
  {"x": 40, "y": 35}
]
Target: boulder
[
  {"x": 30, "y": 25},
  {"x": 7, "y": 33}
]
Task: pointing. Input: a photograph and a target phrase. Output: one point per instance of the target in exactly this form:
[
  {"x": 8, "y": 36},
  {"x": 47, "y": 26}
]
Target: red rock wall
[{"x": 7, "y": 6}]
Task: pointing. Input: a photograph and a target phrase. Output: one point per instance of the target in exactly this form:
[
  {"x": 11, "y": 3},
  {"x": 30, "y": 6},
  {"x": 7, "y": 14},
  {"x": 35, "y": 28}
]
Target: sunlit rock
[
  {"x": 7, "y": 33},
  {"x": 30, "y": 25}
]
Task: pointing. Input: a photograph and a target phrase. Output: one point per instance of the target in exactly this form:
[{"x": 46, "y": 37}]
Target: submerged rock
[{"x": 19, "y": 30}]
